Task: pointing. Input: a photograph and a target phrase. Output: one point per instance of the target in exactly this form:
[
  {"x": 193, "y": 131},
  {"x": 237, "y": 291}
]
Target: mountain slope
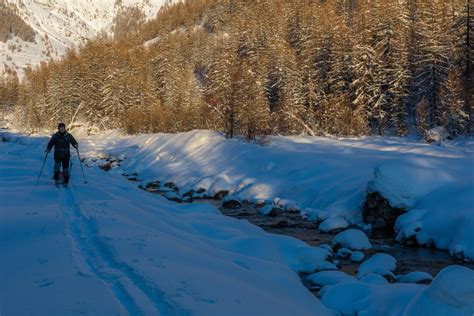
[{"x": 59, "y": 24}]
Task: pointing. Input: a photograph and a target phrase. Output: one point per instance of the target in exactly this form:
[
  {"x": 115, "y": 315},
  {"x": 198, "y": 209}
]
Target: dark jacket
[{"x": 61, "y": 143}]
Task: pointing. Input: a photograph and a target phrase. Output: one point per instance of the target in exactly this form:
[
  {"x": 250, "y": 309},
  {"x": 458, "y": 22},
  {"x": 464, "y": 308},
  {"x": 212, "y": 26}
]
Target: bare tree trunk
[{"x": 305, "y": 126}]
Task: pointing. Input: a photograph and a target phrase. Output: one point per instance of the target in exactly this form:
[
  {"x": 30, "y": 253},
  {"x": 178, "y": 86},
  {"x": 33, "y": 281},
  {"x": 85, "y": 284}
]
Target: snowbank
[
  {"x": 439, "y": 200},
  {"x": 360, "y": 298},
  {"x": 404, "y": 184},
  {"x": 328, "y": 177},
  {"x": 450, "y": 293}
]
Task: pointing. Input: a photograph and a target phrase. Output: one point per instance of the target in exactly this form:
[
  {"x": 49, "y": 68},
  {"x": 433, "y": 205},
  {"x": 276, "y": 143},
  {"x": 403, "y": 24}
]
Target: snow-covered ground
[
  {"x": 107, "y": 247},
  {"x": 328, "y": 178}
]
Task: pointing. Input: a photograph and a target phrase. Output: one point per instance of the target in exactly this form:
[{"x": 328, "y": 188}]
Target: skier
[{"x": 61, "y": 141}]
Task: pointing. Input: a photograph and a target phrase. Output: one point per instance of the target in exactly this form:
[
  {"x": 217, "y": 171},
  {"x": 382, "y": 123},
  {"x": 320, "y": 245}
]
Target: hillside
[{"x": 60, "y": 24}]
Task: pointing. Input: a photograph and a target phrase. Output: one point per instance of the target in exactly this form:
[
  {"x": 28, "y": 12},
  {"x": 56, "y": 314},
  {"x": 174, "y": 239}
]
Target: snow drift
[{"x": 327, "y": 178}]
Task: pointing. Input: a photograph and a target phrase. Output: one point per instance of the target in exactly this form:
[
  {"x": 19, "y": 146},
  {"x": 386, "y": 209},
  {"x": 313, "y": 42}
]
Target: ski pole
[
  {"x": 80, "y": 163},
  {"x": 42, "y": 166}
]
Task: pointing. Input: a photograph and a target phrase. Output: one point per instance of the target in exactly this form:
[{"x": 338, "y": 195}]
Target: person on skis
[{"x": 61, "y": 141}]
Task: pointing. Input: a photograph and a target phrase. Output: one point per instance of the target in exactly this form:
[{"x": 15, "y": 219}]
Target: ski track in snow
[{"x": 127, "y": 285}]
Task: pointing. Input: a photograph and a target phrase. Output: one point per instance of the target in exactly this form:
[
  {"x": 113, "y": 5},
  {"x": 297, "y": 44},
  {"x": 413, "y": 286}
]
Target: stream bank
[{"x": 291, "y": 223}]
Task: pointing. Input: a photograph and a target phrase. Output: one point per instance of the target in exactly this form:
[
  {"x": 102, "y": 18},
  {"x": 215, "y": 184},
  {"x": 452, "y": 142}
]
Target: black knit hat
[{"x": 61, "y": 124}]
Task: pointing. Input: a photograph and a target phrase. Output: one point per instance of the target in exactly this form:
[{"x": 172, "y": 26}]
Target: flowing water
[{"x": 291, "y": 224}]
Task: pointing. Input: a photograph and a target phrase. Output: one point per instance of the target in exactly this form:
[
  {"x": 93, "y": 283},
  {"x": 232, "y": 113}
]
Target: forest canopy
[
  {"x": 253, "y": 68},
  {"x": 12, "y": 25}
]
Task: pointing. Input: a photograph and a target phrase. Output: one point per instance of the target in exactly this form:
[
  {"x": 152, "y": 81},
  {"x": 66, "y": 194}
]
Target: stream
[{"x": 409, "y": 258}]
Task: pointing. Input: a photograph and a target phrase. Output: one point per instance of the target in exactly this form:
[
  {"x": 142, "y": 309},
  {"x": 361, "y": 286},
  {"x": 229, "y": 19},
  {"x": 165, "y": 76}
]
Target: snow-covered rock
[
  {"x": 231, "y": 201},
  {"x": 380, "y": 263},
  {"x": 379, "y": 213},
  {"x": 333, "y": 223},
  {"x": 287, "y": 205},
  {"x": 353, "y": 239},
  {"x": 327, "y": 247},
  {"x": 325, "y": 278},
  {"x": 435, "y": 134},
  {"x": 373, "y": 278},
  {"x": 357, "y": 256},
  {"x": 304, "y": 259},
  {"x": 343, "y": 253},
  {"x": 221, "y": 187},
  {"x": 416, "y": 277},
  {"x": 269, "y": 210},
  {"x": 173, "y": 196},
  {"x": 310, "y": 214}
]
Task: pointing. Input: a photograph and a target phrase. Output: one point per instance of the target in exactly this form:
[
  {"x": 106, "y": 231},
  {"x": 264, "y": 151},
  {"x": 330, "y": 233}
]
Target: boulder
[
  {"x": 154, "y": 185},
  {"x": 287, "y": 205},
  {"x": 435, "y": 135},
  {"x": 200, "y": 190},
  {"x": 353, "y": 239},
  {"x": 171, "y": 185},
  {"x": 198, "y": 196},
  {"x": 270, "y": 210},
  {"x": 380, "y": 214},
  {"x": 418, "y": 277},
  {"x": 231, "y": 202},
  {"x": 381, "y": 263},
  {"x": 333, "y": 224},
  {"x": 357, "y": 256},
  {"x": 281, "y": 224},
  {"x": 173, "y": 196},
  {"x": 187, "y": 199},
  {"x": 221, "y": 194},
  {"x": 343, "y": 253}
]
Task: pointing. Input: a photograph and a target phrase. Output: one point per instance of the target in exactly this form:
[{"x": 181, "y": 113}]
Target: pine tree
[
  {"x": 366, "y": 98},
  {"x": 453, "y": 104},
  {"x": 399, "y": 78},
  {"x": 433, "y": 57},
  {"x": 422, "y": 117},
  {"x": 223, "y": 75},
  {"x": 463, "y": 29}
]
